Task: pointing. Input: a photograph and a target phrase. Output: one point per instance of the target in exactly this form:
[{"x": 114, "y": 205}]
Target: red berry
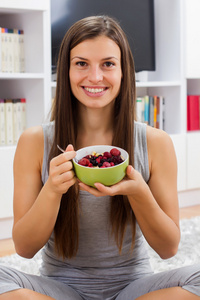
[
  {"x": 84, "y": 162},
  {"x": 115, "y": 152},
  {"x": 98, "y": 159},
  {"x": 107, "y": 154},
  {"x": 114, "y": 159},
  {"x": 106, "y": 160},
  {"x": 106, "y": 164}
]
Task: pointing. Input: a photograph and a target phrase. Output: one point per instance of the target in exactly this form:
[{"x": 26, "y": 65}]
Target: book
[
  {"x": 162, "y": 113},
  {"x": 16, "y": 51},
  {"x": 146, "y": 109},
  {"x": 158, "y": 120},
  {"x": 17, "y": 127},
  {"x": 12, "y": 55},
  {"x": 23, "y": 113},
  {"x": 9, "y": 121},
  {"x": 21, "y": 51},
  {"x": 140, "y": 106},
  {"x": 6, "y": 50},
  {"x": 155, "y": 111},
  {"x": 151, "y": 111},
  {"x": 10, "y": 47},
  {"x": 3, "y": 50},
  {"x": 2, "y": 123},
  {"x": 193, "y": 112},
  {"x": 12, "y": 120}
]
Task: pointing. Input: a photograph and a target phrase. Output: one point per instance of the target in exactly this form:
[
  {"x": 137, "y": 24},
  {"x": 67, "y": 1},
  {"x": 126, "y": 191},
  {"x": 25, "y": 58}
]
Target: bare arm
[
  {"x": 155, "y": 204},
  {"x": 156, "y": 209},
  {"x": 36, "y": 206}
]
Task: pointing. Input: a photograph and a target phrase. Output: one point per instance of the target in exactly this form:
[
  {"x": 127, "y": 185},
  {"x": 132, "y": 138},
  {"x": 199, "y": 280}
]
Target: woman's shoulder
[
  {"x": 159, "y": 143},
  {"x": 30, "y": 146},
  {"x": 32, "y": 135},
  {"x": 157, "y": 135}
]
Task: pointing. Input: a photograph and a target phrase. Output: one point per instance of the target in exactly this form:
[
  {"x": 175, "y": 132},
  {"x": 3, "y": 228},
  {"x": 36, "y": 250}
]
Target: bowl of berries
[{"x": 101, "y": 163}]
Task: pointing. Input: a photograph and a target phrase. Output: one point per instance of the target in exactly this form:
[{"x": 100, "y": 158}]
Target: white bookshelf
[
  {"x": 177, "y": 73},
  {"x": 33, "y": 16},
  {"x": 177, "y": 38}
]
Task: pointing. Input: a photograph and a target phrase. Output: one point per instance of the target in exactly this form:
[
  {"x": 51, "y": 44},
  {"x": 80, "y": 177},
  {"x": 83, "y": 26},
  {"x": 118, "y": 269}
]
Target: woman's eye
[
  {"x": 81, "y": 63},
  {"x": 108, "y": 64}
]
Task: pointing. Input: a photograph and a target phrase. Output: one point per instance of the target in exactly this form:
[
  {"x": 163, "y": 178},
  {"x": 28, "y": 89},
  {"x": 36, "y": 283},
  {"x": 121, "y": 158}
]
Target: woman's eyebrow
[
  {"x": 106, "y": 58},
  {"x": 110, "y": 57},
  {"x": 79, "y": 57}
]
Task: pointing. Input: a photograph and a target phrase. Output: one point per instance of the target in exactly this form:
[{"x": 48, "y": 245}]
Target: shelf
[
  {"x": 13, "y": 6},
  {"x": 7, "y": 148},
  {"x": 158, "y": 84},
  {"x": 194, "y": 132},
  {"x": 33, "y": 85},
  {"x": 53, "y": 84},
  {"x": 193, "y": 77},
  {"x": 22, "y": 75}
]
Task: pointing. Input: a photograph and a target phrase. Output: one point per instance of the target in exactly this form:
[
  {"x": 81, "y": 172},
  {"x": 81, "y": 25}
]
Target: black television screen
[{"x": 136, "y": 17}]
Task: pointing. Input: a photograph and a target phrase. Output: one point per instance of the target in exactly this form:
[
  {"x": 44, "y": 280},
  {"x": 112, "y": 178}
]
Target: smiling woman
[{"x": 93, "y": 237}]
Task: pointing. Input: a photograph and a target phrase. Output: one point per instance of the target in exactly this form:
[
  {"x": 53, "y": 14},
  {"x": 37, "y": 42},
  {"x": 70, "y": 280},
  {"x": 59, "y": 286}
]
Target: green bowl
[{"x": 107, "y": 176}]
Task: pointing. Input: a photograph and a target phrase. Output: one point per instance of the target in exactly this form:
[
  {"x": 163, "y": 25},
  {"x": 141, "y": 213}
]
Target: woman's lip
[{"x": 94, "y": 91}]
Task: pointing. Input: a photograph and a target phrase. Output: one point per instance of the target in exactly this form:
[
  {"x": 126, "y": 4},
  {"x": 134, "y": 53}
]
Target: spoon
[{"x": 60, "y": 149}]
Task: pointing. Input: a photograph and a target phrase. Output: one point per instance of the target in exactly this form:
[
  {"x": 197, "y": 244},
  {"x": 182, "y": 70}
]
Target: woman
[{"x": 93, "y": 238}]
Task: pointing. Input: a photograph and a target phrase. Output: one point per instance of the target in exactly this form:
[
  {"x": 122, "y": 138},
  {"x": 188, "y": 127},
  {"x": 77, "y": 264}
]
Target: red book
[{"x": 193, "y": 112}]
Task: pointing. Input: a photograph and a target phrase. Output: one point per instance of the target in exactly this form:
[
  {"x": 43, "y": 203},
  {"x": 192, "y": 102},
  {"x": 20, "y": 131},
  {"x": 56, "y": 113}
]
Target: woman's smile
[{"x": 95, "y": 91}]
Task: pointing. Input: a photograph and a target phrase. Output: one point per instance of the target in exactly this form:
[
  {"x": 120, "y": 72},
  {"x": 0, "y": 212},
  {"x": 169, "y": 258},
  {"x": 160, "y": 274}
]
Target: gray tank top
[{"x": 98, "y": 260}]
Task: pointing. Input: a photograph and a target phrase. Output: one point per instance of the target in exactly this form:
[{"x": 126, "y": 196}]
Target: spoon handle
[{"x": 60, "y": 149}]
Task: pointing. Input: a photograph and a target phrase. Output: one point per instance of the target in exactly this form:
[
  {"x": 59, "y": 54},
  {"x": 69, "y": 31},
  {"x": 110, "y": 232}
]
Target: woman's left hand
[{"x": 132, "y": 184}]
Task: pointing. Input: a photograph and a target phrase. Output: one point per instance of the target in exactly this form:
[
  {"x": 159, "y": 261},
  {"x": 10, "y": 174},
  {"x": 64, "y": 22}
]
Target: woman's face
[{"x": 95, "y": 71}]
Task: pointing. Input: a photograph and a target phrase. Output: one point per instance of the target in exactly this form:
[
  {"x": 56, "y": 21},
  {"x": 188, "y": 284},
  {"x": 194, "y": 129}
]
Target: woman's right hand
[
  {"x": 36, "y": 205},
  {"x": 61, "y": 174}
]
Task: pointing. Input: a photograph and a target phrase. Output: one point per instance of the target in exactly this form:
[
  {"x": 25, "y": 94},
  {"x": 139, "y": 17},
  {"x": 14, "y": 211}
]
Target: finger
[
  {"x": 130, "y": 172},
  {"x": 106, "y": 190},
  {"x": 91, "y": 190},
  {"x": 62, "y": 178},
  {"x": 69, "y": 148},
  {"x": 65, "y": 167},
  {"x": 67, "y": 176},
  {"x": 63, "y": 157},
  {"x": 66, "y": 185}
]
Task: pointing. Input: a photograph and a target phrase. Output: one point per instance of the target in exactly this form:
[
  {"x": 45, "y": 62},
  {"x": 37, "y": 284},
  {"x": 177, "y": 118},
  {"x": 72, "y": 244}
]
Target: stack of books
[
  {"x": 193, "y": 112},
  {"x": 12, "y": 120},
  {"x": 12, "y": 57},
  {"x": 151, "y": 110}
]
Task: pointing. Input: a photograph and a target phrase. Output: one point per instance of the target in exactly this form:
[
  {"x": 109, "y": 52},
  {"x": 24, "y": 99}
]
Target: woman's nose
[{"x": 95, "y": 74}]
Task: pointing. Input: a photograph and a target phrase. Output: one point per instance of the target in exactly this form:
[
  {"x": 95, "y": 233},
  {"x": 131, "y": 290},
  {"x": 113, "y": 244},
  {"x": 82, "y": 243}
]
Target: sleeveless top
[{"x": 98, "y": 260}]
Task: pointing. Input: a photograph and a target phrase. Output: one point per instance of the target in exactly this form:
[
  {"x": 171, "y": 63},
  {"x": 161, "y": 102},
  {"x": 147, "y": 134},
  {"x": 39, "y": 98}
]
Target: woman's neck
[{"x": 95, "y": 127}]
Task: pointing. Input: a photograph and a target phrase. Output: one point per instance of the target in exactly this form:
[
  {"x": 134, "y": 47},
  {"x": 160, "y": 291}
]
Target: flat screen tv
[{"x": 136, "y": 17}]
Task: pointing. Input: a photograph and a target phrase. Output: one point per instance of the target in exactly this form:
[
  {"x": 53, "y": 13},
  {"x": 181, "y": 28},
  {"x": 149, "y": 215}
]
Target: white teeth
[{"x": 94, "y": 90}]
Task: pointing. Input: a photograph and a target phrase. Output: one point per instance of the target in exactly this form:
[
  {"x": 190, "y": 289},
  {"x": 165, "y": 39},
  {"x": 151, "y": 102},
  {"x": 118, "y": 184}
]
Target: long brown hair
[{"x": 64, "y": 114}]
